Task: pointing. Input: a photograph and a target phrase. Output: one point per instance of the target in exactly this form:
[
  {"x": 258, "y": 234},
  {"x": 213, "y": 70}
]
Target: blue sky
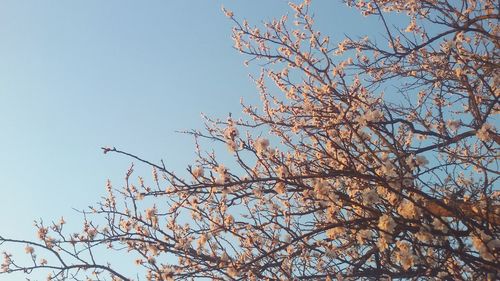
[{"x": 78, "y": 75}]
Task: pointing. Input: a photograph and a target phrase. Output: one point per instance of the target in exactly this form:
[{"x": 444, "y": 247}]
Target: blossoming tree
[{"x": 366, "y": 160}]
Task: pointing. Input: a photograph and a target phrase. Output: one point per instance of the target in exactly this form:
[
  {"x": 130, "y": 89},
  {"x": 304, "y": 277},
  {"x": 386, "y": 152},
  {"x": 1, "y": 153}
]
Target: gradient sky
[{"x": 78, "y": 75}]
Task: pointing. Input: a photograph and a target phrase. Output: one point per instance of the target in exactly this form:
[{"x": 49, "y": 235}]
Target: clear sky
[{"x": 78, "y": 75}]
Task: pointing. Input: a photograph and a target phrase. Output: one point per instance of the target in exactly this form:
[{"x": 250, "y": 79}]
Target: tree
[{"x": 373, "y": 161}]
